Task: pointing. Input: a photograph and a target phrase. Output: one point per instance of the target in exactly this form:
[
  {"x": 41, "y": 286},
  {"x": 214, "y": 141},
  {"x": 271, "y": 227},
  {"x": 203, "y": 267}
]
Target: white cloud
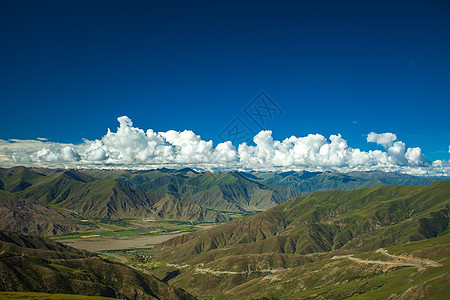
[
  {"x": 415, "y": 157},
  {"x": 57, "y": 153},
  {"x": 21, "y": 156},
  {"x": 384, "y": 139},
  {"x": 132, "y": 147},
  {"x": 397, "y": 154},
  {"x": 97, "y": 154}
]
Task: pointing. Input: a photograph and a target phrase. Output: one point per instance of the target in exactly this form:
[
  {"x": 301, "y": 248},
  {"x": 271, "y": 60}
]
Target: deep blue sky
[{"x": 68, "y": 69}]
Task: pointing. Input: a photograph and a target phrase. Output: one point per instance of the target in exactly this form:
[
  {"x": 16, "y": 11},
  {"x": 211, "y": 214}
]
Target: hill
[
  {"x": 25, "y": 216},
  {"x": 33, "y": 264},
  {"x": 419, "y": 270},
  {"x": 170, "y": 207},
  {"x": 99, "y": 198},
  {"x": 18, "y": 178},
  {"x": 306, "y": 230},
  {"x": 323, "y": 221}
]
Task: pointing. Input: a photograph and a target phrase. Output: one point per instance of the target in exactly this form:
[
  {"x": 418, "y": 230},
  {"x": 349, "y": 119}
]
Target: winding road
[
  {"x": 412, "y": 262},
  {"x": 426, "y": 262},
  {"x": 203, "y": 271}
]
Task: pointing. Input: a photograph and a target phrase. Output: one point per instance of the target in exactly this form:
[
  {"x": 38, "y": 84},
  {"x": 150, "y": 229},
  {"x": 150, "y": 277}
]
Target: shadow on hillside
[{"x": 171, "y": 275}]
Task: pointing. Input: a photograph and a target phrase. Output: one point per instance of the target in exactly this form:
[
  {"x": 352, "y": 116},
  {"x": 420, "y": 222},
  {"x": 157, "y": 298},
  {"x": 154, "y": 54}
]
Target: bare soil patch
[{"x": 114, "y": 243}]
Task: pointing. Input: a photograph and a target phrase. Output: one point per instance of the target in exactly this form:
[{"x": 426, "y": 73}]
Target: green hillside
[
  {"x": 17, "y": 179},
  {"x": 100, "y": 198},
  {"x": 325, "y": 221},
  {"x": 328, "y": 278},
  {"x": 170, "y": 207},
  {"x": 305, "y": 233}
]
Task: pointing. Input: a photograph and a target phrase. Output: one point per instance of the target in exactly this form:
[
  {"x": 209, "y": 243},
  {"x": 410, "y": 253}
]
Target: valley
[{"x": 131, "y": 233}]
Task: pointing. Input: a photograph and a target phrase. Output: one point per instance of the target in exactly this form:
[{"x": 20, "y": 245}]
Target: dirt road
[
  {"x": 410, "y": 262},
  {"x": 419, "y": 261},
  {"x": 203, "y": 271}
]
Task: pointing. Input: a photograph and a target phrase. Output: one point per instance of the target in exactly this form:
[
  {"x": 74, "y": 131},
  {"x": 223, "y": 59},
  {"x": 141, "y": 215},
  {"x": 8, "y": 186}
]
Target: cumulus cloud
[
  {"x": 55, "y": 153},
  {"x": 384, "y": 139},
  {"x": 132, "y": 147},
  {"x": 415, "y": 157},
  {"x": 97, "y": 154}
]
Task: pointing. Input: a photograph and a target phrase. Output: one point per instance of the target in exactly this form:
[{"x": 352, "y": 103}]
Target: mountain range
[
  {"x": 309, "y": 182},
  {"x": 56, "y": 195}
]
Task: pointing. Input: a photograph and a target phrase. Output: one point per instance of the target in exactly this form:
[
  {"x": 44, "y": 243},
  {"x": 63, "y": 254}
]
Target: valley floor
[
  {"x": 397, "y": 272},
  {"x": 126, "y": 234},
  {"x": 95, "y": 244}
]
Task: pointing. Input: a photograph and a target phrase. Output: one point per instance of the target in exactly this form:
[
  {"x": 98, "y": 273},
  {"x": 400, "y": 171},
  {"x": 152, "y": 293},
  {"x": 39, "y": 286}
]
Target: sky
[{"x": 199, "y": 74}]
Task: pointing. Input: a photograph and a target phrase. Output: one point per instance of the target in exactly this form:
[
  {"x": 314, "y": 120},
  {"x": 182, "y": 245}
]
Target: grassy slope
[
  {"x": 99, "y": 198},
  {"x": 171, "y": 208},
  {"x": 308, "y": 231},
  {"x": 343, "y": 279},
  {"x": 365, "y": 219},
  {"x": 17, "y": 179}
]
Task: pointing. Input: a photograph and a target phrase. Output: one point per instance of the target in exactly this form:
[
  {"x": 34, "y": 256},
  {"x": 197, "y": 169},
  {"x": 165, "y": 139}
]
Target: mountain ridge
[{"x": 329, "y": 220}]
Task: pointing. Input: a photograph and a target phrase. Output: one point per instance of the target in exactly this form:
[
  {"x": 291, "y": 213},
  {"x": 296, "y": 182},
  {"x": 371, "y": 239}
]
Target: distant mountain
[
  {"x": 214, "y": 191},
  {"x": 94, "y": 193},
  {"x": 18, "y": 179},
  {"x": 25, "y": 216},
  {"x": 304, "y": 233},
  {"x": 170, "y": 207},
  {"x": 198, "y": 196},
  {"x": 309, "y": 182},
  {"x": 96, "y": 198},
  {"x": 33, "y": 264}
]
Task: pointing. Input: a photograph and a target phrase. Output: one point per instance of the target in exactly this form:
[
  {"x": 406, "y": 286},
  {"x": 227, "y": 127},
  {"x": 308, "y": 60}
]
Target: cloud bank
[{"x": 133, "y": 148}]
